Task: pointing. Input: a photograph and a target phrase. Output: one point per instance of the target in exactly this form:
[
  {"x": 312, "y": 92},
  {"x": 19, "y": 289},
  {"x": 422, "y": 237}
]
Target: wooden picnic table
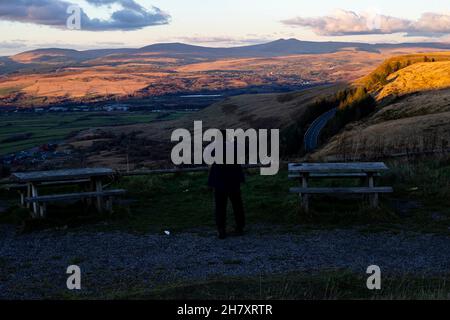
[
  {"x": 33, "y": 181},
  {"x": 364, "y": 167},
  {"x": 366, "y": 171}
]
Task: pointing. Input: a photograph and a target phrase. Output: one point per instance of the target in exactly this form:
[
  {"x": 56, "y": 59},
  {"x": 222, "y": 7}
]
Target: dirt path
[{"x": 34, "y": 265}]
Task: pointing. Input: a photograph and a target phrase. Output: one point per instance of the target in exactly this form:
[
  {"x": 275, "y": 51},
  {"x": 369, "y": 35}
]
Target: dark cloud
[
  {"x": 131, "y": 16},
  {"x": 343, "y": 22}
]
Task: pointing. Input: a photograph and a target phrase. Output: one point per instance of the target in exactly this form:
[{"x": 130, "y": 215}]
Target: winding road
[{"x": 313, "y": 133}]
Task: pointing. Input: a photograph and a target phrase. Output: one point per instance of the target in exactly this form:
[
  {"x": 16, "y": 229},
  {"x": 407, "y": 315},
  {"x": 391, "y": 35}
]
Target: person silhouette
[{"x": 226, "y": 180}]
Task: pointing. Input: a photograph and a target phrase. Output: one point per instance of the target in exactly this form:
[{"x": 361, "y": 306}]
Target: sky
[{"x": 31, "y": 24}]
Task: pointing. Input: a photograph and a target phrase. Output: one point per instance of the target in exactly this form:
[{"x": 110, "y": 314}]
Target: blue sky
[{"x": 226, "y": 22}]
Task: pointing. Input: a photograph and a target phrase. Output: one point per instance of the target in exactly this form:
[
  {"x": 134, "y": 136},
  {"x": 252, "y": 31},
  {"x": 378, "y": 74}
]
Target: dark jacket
[{"x": 226, "y": 177}]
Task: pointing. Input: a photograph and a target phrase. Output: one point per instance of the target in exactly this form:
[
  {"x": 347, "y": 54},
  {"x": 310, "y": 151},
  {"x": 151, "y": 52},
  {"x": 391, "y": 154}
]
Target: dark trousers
[{"x": 221, "y": 199}]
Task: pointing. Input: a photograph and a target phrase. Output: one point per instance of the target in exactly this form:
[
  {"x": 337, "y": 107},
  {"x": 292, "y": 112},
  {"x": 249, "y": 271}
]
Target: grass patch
[
  {"x": 178, "y": 202},
  {"x": 9, "y": 90},
  {"x": 51, "y": 127},
  {"x": 333, "y": 285}
]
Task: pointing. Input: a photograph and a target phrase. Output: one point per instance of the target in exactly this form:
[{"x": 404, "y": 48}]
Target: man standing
[{"x": 226, "y": 179}]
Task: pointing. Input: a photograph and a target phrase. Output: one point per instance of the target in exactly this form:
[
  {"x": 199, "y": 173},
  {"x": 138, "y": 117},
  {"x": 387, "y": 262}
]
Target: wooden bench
[
  {"x": 108, "y": 195},
  {"x": 23, "y": 188},
  {"x": 366, "y": 172},
  {"x": 335, "y": 175},
  {"x": 91, "y": 178}
]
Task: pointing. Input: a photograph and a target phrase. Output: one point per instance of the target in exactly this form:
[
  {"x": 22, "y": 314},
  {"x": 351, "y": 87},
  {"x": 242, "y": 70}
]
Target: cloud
[
  {"x": 344, "y": 22},
  {"x": 15, "y": 44},
  {"x": 131, "y": 15},
  {"x": 12, "y": 47},
  {"x": 432, "y": 24}
]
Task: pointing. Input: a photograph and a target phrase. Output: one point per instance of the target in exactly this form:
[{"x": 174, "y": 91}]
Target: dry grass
[
  {"x": 262, "y": 111},
  {"x": 418, "y": 77},
  {"x": 402, "y": 137},
  {"x": 415, "y": 120}
]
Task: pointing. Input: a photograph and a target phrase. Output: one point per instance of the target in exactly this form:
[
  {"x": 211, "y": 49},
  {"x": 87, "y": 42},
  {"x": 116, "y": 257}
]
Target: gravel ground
[{"x": 33, "y": 266}]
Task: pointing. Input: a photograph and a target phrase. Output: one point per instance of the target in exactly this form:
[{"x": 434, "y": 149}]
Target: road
[{"x": 313, "y": 133}]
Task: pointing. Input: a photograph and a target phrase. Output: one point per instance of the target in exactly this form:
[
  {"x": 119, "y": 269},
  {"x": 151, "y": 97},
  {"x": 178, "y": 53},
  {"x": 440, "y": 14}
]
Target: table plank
[
  {"x": 338, "y": 167},
  {"x": 336, "y": 175},
  {"x": 65, "y": 174},
  {"x": 71, "y": 196},
  {"x": 356, "y": 190}
]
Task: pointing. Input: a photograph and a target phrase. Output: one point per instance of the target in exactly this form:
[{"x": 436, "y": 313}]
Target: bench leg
[
  {"x": 34, "y": 193},
  {"x": 374, "y": 199},
  {"x": 109, "y": 205},
  {"x": 28, "y": 195},
  {"x": 305, "y": 197},
  {"x": 22, "y": 199},
  {"x": 99, "y": 188},
  {"x": 43, "y": 210}
]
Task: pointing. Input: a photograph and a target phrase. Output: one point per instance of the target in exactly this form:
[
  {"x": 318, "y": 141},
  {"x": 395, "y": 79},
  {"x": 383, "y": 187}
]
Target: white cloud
[{"x": 344, "y": 22}]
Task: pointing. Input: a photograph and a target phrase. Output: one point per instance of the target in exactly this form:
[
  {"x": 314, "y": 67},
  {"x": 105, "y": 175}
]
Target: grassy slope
[
  {"x": 422, "y": 76},
  {"x": 378, "y": 78},
  {"x": 413, "y": 117},
  {"x": 279, "y": 111},
  {"x": 51, "y": 127},
  {"x": 247, "y": 111}
]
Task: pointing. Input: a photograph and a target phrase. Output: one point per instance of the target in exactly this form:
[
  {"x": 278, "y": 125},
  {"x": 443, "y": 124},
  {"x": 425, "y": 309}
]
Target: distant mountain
[
  {"x": 280, "y": 47},
  {"x": 65, "y": 56},
  {"x": 276, "y": 48}
]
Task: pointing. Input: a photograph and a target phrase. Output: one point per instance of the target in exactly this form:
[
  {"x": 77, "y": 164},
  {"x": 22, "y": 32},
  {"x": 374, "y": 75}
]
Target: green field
[{"x": 52, "y": 127}]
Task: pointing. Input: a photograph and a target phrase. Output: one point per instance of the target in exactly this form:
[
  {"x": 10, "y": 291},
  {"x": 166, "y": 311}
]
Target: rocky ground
[{"x": 33, "y": 266}]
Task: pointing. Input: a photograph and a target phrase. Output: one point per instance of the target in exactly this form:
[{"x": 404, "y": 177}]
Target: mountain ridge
[{"x": 274, "y": 48}]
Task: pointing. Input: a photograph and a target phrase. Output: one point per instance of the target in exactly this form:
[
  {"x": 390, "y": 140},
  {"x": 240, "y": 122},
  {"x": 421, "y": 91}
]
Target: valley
[
  {"x": 49, "y": 77},
  {"x": 133, "y": 100}
]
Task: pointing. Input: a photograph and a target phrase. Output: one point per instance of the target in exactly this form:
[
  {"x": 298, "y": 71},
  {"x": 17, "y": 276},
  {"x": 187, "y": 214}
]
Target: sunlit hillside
[
  {"x": 413, "y": 115},
  {"x": 418, "y": 77},
  {"x": 408, "y": 73}
]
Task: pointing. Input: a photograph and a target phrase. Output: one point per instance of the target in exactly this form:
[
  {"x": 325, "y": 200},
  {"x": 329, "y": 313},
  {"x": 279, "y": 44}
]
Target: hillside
[
  {"x": 414, "y": 116},
  {"x": 416, "y": 78},
  {"x": 405, "y": 67},
  {"x": 149, "y": 144},
  {"x": 47, "y": 77}
]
